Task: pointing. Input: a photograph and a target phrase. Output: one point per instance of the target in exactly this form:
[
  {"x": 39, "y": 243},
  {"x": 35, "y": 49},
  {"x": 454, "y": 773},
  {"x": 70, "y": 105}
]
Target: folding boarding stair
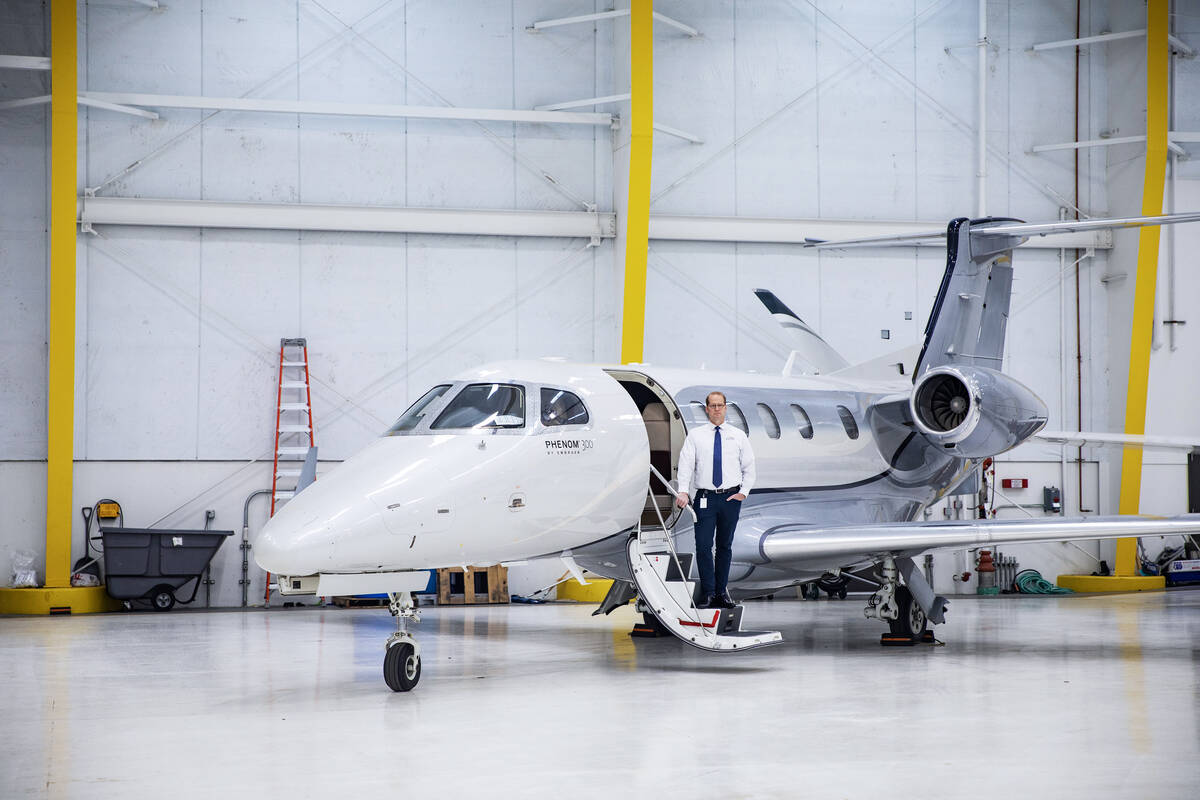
[{"x": 667, "y": 590}]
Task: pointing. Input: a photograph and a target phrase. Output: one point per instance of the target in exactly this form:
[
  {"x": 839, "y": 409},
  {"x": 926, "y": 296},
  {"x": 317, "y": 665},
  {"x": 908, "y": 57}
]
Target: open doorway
[{"x": 665, "y": 431}]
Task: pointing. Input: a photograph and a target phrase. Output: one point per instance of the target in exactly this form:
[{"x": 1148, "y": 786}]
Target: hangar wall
[{"x": 805, "y": 110}]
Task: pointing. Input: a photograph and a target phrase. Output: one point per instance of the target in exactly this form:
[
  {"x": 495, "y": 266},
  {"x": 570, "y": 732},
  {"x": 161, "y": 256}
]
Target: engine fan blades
[{"x": 948, "y": 405}]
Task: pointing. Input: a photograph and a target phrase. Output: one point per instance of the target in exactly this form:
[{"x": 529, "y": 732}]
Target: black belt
[{"x": 722, "y": 492}]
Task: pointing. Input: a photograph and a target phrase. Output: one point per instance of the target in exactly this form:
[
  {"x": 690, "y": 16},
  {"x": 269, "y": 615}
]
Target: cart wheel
[
  {"x": 401, "y": 667},
  {"x": 162, "y": 598},
  {"x": 812, "y": 591}
]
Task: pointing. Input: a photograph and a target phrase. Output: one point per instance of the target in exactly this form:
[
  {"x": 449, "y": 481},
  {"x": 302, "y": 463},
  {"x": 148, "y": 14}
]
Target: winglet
[
  {"x": 815, "y": 353},
  {"x": 308, "y": 473}
]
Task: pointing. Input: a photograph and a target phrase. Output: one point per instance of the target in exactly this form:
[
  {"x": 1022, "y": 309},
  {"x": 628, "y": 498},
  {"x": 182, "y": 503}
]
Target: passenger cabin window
[
  {"x": 848, "y": 422},
  {"x": 803, "y": 423},
  {"x": 416, "y": 412},
  {"x": 735, "y": 417},
  {"x": 769, "y": 421},
  {"x": 562, "y": 408},
  {"x": 484, "y": 405}
]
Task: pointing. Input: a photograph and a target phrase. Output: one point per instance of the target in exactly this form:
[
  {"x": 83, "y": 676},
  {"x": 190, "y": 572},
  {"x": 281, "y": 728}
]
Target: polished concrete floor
[{"x": 1084, "y": 696}]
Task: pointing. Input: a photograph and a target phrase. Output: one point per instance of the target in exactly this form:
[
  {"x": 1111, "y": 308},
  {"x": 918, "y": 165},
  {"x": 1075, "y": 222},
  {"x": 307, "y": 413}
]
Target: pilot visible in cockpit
[{"x": 718, "y": 463}]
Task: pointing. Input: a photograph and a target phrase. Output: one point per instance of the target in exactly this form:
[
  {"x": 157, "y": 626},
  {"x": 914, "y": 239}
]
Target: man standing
[{"x": 717, "y": 460}]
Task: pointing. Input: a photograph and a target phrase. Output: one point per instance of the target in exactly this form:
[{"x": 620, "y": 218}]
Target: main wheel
[
  {"x": 162, "y": 598},
  {"x": 911, "y": 620},
  {"x": 401, "y": 667}
]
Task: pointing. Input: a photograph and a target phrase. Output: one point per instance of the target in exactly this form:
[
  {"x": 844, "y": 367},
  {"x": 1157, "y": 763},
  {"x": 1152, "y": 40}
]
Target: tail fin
[{"x": 970, "y": 315}]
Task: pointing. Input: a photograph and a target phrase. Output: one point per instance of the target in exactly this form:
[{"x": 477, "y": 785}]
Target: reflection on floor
[{"x": 1084, "y": 696}]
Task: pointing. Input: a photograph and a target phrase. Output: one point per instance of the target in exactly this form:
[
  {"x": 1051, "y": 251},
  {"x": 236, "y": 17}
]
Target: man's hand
[
  {"x": 681, "y": 499},
  {"x": 739, "y": 496}
]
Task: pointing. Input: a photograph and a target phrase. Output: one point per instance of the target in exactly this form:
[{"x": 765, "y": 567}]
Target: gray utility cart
[{"x": 153, "y": 564}]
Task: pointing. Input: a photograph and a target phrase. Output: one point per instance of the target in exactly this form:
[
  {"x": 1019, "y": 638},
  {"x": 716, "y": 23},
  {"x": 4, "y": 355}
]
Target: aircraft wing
[
  {"x": 1091, "y": 438},
  {"x": 850, "y": 544}
]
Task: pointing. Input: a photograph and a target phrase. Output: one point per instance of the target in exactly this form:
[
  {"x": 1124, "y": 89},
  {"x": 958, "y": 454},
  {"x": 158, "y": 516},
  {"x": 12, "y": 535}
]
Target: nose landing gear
[{"x": 402, "y": 664}]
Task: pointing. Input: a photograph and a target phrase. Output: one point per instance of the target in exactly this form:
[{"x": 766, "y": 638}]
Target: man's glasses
[{"x": 715, "y": 406}]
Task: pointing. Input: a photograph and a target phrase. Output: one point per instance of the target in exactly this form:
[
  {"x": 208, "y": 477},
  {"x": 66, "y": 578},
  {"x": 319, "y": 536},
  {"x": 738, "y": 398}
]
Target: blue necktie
[{"x": 717, "y": 459}]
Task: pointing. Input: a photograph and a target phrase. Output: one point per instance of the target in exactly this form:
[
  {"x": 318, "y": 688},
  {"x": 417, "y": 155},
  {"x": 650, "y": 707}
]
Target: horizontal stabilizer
[
  {"x": 1094, "y": 439},
  {"x": 854, "y": 543},
  {"x": 1013, "y": 228},
  {"x": 813, "y": 353},
  {"x": 896, "y": 364}
]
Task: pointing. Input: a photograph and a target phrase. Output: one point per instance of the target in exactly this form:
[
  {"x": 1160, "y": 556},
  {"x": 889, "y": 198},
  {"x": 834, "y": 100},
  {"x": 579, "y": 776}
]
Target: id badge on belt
[{"x": 704, "y": 502}]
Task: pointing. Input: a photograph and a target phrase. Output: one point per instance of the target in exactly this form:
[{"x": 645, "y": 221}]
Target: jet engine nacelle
[{"x": 975, "y": 412}]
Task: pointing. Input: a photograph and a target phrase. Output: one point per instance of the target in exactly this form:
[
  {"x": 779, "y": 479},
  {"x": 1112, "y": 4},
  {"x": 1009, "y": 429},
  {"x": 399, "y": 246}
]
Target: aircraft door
[{"x": 665, "y": 432}]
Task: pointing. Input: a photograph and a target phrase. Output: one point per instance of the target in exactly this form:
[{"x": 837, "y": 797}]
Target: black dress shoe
[
  {"x": 723, "y": 600},
  {"x": 706, "y": 602}
]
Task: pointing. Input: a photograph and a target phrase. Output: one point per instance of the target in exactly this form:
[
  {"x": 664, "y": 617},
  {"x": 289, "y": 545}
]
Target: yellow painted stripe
[
  {"x": 1147, "y": 271},
  {"x": 637, "y": 212},
  {"x": 60, "y": 422}
]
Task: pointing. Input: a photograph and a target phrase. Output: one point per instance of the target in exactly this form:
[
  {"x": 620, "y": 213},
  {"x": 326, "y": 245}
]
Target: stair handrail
[{"x": 695, "y": 612}]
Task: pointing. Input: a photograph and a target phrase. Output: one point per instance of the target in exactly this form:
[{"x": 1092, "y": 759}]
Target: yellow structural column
[
  {"x": 1126, "y": 576},
  {"x": 637, "y": 212},
  {"x": 58, "y": 595}
]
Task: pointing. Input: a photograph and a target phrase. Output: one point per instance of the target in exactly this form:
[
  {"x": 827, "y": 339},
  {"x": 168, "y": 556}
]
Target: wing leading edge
[{"x": 854, "y": 543}]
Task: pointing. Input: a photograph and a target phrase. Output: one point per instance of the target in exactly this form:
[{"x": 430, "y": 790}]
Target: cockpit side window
[
  {"x": 416, "y": 412},
  {"x": 484, "y": 405},
  {"x": 562, "y": 408}
]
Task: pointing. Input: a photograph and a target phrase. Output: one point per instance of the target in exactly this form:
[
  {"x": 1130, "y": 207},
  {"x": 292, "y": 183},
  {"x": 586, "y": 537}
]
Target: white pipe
[
  {"x": 1062, "y": 360},
  {"x": 981, "y": 173}
]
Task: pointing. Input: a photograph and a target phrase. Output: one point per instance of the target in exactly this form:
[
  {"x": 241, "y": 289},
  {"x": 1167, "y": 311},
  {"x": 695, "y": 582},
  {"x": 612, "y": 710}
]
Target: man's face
[{"x": 715, "y": 408}]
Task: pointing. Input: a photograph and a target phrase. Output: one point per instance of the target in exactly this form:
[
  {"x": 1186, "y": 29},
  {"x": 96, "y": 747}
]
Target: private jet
[{"x": 547, "y": 458}]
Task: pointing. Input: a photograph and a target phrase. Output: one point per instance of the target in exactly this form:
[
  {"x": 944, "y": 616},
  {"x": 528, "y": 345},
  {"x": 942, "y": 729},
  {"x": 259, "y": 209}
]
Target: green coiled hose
[{"x": 1030, "y": 581}]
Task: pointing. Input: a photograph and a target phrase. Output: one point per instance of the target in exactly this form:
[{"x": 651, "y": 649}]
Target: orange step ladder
[{"x": 293, "y": 425}]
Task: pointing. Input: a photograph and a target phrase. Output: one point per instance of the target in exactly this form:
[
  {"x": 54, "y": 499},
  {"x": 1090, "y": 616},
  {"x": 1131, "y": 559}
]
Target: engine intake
[{"x": 975, "y": 412}]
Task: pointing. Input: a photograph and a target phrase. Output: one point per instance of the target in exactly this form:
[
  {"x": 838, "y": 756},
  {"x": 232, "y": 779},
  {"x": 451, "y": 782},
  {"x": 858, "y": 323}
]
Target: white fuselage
[{"x": 431, "y": 496}]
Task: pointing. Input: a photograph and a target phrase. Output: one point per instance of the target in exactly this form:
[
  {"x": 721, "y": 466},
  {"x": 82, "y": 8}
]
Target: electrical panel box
[{"x": 1051, "y": 499}]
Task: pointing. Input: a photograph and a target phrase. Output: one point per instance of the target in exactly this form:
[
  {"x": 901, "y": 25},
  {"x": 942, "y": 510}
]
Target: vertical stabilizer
[{"x": 969, "y": 319}]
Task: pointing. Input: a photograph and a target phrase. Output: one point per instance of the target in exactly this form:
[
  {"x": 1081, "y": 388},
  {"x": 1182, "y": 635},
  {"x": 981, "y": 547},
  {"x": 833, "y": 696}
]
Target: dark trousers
[{"x": 719, "y": 518}]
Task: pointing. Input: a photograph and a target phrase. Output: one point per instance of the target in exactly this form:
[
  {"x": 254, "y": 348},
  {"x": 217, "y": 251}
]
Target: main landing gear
[
  {"x": 402, "y": 664},
  {"x": 895, "y": 605}
]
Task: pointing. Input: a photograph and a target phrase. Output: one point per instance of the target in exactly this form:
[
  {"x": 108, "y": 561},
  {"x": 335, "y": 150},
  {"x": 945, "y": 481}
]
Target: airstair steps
[{"x": 664, "y": 584}]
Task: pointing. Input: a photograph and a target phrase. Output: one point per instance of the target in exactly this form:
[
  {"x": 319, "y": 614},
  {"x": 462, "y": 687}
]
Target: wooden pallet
[{"x": 479, "y": 585}]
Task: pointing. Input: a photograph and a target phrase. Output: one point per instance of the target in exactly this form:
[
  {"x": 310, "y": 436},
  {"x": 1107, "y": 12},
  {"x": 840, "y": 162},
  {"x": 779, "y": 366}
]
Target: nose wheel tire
[
  {"x": 162, "y": 598},
  {"x": 401, "y": 667},
  {"x": 911, "y": 620}
]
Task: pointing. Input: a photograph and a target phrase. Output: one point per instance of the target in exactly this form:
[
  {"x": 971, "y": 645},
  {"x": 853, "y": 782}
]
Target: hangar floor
[{"x": 1086, "y": 696}]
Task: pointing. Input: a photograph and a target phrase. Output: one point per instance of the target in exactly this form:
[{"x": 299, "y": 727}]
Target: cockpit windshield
[
  {"x": 484, "y": 405},
  {"x": 416, "y": 412}
]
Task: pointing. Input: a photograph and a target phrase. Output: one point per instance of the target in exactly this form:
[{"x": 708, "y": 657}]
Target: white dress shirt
[{"x": 696, "y": 460}]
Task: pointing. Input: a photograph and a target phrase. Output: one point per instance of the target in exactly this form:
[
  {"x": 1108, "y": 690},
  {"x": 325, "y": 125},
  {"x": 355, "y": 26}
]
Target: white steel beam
[
  {"x": 1044, "y": 148},
  {"x": 1176, "y": 43},
  {"x": 667, "y": 129},
  {"x": 24, "y": 62},
  {"x": 378, "y": 219},
  {"x": 769, "y": 230},
  {"x": 254, "y": 104},
  {"x": 1102, "y": 37},
  {"x": 93, "y": 102},
  {"x": 591, "y": 101},
  {"x": 40, "y": 100},
  {"x": 623, "y": 12},
  {"x": 1184, "y": 136},
  {"x": 554, "y": 23}
]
